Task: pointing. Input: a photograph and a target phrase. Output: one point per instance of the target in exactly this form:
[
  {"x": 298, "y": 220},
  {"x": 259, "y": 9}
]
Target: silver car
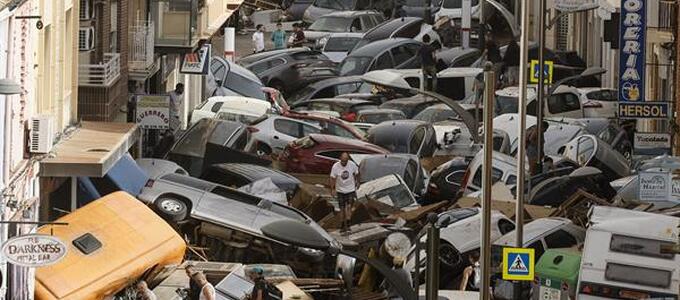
[{"x": 273, "y": 133}]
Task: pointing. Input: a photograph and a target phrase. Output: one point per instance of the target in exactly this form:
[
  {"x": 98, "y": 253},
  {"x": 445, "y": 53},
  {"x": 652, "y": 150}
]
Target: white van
[
  {"x": 622, "y": 257},
  {"x": 565, "y": 102}
]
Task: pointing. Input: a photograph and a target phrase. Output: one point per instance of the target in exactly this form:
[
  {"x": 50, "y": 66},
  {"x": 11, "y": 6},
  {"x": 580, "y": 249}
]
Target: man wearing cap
[{"x": 260, "y": 288}]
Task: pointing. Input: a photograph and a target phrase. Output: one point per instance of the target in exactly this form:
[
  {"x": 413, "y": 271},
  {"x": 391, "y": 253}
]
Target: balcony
[
  {"x": 214, "y": 15},
  {"x": 103, "y": 74},
  {"x": 142, "y": 62},
  {"x": 175, "y": 25}
]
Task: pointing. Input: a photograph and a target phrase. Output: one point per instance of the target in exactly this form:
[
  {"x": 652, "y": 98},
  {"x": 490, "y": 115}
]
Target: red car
[
  {"x": 316, "y": 153},
  {"x": 330, "y": 125}
]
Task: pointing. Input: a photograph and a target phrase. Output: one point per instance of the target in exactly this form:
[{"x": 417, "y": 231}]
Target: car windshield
[
  {"x": 332, "y": 24},
  {"x": 397, "y": 195},
  {"x": 506, "y": 105},
  {"x": 194, "y": 140},
  {"x": 340, "y": 44},
  {"x": 228, "y": 116},
  {"x": 457, "y": 215},
  {"x": 433, "y": 115},
  {"x": 375, "y": 118},
  {"x": 354, "y": 65},
  {"x": 334, "y": 4},
  {"x": 457, "y": 3},
  {"x": 244, "y": 86}
]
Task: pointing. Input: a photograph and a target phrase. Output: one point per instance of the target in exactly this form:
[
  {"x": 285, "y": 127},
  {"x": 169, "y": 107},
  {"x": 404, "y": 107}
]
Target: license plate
[{"x": 548, "y": 293}]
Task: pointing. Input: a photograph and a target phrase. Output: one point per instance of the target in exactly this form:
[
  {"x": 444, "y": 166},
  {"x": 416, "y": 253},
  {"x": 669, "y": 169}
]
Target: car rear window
[{"x": 340, "y": 44}]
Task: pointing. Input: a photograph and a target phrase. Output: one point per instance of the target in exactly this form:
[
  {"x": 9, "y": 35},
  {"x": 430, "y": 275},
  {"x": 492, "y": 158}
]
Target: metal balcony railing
[
  {"x": 103, "y": 74},
  {"x": 141, "y": 54}
]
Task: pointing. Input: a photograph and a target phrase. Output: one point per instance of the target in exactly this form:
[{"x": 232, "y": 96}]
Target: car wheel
[
  {"x": 172, "y": 209},
  {"x": 449, "y": 255}
]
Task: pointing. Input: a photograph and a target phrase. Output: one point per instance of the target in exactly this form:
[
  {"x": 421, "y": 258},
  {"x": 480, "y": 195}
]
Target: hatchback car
[
  {"x": 347, "y": 108},
  {"x": 316, "y": 153},
  {"x": 395, "y": 53},
  {"x": 289, "y": 69},
  {"x": 600, "y": 102},
  {"x": 343, "y": 21},
  {"x": 273, "y": 133},
  {"x": 328, "y": 88},
  {"x": 405, "y": 136}
]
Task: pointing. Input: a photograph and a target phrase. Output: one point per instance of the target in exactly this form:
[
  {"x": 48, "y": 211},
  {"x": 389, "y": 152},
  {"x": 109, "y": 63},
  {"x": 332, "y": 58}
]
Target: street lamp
[
  {"x": 541, "y": 61},
  {"x": 302, "y": 235}
]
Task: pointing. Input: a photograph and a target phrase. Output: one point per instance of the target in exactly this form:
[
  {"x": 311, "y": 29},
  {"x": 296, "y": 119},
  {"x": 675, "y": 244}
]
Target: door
[
  {"x": 286, "y": 131},
  {"x": 565, "y": 105}
]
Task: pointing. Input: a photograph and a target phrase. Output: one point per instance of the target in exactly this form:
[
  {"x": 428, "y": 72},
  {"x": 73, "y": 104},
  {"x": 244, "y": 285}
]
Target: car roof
[
  {"x": 385, "y": 29},
  {"x": 350, "y": 13},
  {"x": 380, "y": 111},
  {"x": 249, "y": 170},
  {"x": 240, "y": 70},
  {"x": 455, "y": 52},
  {"x": 346, "y": 35},
  {"x": 257, "y": 57},
  {"x": 380, "y": 46},
  {"x": 403, "y": 126},
  {"x": 533, "y": 230},
  {"x": 325, "y": 138}
]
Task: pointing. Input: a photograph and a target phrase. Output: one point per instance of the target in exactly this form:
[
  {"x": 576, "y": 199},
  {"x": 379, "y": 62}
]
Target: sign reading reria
[
  {"x": 632, "y": 57},
  {"x": 153, "y": 112},
  {"x": 34, "y": 250}
]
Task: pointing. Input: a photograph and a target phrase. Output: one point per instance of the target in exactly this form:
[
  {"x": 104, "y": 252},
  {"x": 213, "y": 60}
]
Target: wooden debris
[{"x": 576, "y": 208}]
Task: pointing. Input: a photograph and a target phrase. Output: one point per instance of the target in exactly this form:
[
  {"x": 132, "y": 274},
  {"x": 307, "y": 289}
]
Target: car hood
[{"x": 387, "y": 78}]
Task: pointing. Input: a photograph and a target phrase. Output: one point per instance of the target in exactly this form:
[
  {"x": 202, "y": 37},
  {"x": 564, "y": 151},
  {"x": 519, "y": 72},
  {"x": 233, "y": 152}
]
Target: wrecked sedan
[
  {"x": 589, "y": 150},
  {"x": 446, "y": 180},
  {"x": 556, "y": 190},
  {"x": 211, "y": 141},
  {"x": 405, "y": 136},
  {"x": 407, "y": 166},
  {"x": 225, "y": 220}
]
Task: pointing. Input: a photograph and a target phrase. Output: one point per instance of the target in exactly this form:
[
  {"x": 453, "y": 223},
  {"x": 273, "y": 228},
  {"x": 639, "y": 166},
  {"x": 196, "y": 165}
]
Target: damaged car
[
  {"x": 405, "y": 136},
  {"x": 406, "y": 166}
]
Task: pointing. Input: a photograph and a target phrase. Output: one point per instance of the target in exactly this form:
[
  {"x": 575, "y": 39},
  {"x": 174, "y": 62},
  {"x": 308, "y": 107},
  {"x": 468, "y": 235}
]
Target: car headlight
[{"x": 321, "y": 42}]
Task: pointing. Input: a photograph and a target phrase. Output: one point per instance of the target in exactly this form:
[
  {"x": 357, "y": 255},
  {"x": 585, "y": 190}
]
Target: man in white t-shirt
[
  {"x": 344, "y": 182},
  {"x": 258, "y": 39}
]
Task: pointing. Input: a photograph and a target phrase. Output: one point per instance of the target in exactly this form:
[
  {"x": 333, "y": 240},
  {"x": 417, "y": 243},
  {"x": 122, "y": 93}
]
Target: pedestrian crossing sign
[
  {"x": 518, "y": 264},
  {"x": 547, "y": 71}
]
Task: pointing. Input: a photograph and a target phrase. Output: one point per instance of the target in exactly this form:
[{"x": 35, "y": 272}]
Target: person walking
[
  {"x": 428, "y": 64},
  {"x": 176, "y": 102},
  {"x": 511, "y": 64},
  {"x": 258, "y": 39},
  {"x": 279, "y": 37},
  {"x": 344, "y": 182},
  {"x": 260, "y": 286}
]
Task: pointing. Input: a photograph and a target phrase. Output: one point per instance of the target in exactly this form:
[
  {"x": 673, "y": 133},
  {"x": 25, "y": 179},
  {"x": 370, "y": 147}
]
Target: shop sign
[
  {"x": 632, "y": 60},
  {"x": 34, "y": 250},
  {"x": 153, "y": 112},
  {"x": 652, "y": 143},
  {"x": 643, "y": 110},
  {"x": 197, "y": 62},
  {"x": 568, "y": 6},
  {"x": 655, "y": 186}
]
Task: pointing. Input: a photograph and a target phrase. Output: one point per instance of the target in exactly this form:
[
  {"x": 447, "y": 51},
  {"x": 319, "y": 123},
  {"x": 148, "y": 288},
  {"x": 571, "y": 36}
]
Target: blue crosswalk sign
[
  {"x": 547, "y": 71},
  {"x": 518, "y": 264}
]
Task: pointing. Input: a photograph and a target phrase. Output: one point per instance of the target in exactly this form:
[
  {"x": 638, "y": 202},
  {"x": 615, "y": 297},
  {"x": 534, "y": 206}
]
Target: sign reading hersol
[
  {"x": 643, "y": 110},
  {"x": 33, "y": 250}
]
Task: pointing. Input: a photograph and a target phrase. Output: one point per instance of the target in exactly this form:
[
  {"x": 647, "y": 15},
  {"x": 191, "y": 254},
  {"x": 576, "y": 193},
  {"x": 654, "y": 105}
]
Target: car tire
[
  {"x": 172, "y": 209},
  {"x": 449, "y": 255}
]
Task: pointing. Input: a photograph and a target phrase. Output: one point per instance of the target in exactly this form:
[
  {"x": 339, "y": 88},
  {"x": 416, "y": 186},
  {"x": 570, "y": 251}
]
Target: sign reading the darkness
[{"x": 632, "y": 55}]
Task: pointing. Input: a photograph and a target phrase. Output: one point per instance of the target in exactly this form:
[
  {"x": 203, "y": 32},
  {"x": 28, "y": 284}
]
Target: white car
[
  {"x": 209, "y": 108},
  {"x": 336, "y": 46},
  {"x": 454, "y": 83},
  {"x": 564, "y": 102},
  {"x": 242, "y": 109},
  {"x": 600, "y": 102},
  {"x": 453, "y": 9}
]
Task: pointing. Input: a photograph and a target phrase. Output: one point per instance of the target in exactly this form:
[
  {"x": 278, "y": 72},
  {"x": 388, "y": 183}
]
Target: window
[
  {"x": 334, "y": 155},
  {"x": 402, "y": 53},
  {"x": 603, "y": 95},
  {"x": 561, "y": 103},
  {"x": 288, "y": 127},
  {"x": 346, "y": 88},
  {"x": 411, "y": 172},
  {"x": 409, "y": 31},
  {"x": 259, "y": 68},
  {"x": 218, "y": 70},
  {"x": 455, "y": 178},
  {"x": 307, "y": 130},
  {"x": 226, "y": 179},
  {"x": 496, "y": 175},
  {"x": 643, "y": 276},
  {"x": 560, "y": 239},
  {"x": 338, "y": 130},
  {"x": 512, "y": 179},
  {"x": 639, "y": 246},
  {"x": 244, "y": 86},
  {"x": 383, "y": 62},
  {"x": 538, "y": 249},
  {"x": 413, "y": 82},
  {"x": 416, "y": 140},
  {"x": 368, "y": 22},
  {"x": 216, "y": 107},
  {"x": 356, "y": 26},
  {"x": 505, "y": 226}
]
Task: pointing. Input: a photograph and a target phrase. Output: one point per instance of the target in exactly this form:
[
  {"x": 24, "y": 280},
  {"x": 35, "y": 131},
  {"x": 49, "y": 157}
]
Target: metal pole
[
  {"x": 541, "y": 81},
  {"x": 465, "y": 23},
  {"x": 432, "y": 277},
  {"x": 486, "y": 180},
  {"x": 521, "y": 154}
]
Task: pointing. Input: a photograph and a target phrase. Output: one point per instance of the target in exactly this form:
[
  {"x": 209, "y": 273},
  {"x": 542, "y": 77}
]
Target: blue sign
[
  {"x": 518, "y": 264},
  {"x": 643, "y": 110},
  {"x": 632, "y": 51}
]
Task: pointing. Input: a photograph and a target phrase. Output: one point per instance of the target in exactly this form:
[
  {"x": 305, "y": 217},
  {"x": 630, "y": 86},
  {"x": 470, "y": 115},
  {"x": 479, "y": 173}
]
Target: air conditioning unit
[
  {"x": 86, "y": 10},
  {"x": 86, "y": 38},
  {"x": 42, "y": 134}
]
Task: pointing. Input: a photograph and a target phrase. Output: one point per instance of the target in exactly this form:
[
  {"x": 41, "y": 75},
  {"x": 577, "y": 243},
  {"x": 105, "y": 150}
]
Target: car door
[
  {"x": 567, "y": 105},
  {"x": 287, "y": 130},
  {"x": 405, "y": 56},
  {"x": 384, "y": 61},
  {"x": 216, "y": 76}
]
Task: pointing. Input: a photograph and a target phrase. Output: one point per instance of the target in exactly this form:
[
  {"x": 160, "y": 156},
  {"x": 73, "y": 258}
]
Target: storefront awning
[{"x": 91, "y": 150}]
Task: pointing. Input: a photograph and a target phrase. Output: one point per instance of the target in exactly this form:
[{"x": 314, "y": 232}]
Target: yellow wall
[{"x": 57, "y": 61}]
